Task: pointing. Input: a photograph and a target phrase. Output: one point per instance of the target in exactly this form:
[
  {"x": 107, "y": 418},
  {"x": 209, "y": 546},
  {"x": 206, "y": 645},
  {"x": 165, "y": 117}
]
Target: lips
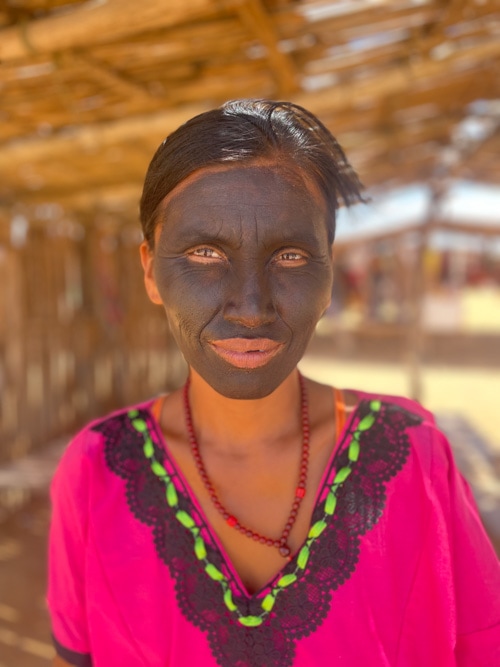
[{"x": 246, "y": 352}]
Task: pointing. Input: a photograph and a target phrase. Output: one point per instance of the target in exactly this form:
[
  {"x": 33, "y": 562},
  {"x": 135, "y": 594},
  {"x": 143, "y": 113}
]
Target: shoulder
[
  {"x": 399, "y": 409},
  {"x": 428, "y": 445},
  {"x": 407, "y": 433},
  {"x": 409, "y": 405},
  {"x": 86, "y": 450}
]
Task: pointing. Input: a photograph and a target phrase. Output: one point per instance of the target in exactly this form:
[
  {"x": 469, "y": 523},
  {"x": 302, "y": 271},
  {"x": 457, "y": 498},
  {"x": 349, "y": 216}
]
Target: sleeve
[
  {"x": 476, "y": 573},
  {"x": 477, "y": 579},
  {"x": 67, "y": 554},
  {"x": 452, "y": 613}
]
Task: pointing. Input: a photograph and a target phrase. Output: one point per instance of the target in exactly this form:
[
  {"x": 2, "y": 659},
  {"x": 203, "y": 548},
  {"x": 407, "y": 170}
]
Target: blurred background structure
[{"x": 411, "y": 89}]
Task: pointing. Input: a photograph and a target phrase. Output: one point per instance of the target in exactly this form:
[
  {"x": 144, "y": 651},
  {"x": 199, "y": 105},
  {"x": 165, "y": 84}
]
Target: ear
[
  {"x": 147, "y": 261},
  {"x": 332, "y": 261}
]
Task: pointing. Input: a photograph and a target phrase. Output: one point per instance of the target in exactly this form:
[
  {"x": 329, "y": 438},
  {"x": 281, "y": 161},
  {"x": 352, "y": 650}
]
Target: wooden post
[{"x": 416, "y": 332}]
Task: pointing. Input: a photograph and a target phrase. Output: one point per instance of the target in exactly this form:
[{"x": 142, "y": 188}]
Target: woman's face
[{"x": 243, "y": 268}]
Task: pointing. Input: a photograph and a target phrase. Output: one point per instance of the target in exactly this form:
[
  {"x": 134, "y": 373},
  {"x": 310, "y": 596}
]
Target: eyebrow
[{"x": 200, "y": 224}]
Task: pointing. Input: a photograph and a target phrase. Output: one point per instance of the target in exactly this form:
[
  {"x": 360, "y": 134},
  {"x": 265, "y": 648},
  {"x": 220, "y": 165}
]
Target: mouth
[{"x": 246, "y": 352}]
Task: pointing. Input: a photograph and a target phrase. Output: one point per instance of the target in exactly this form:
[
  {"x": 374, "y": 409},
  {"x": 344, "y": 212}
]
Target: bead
[
  {"x": 285, "y": 551},
  {"x": 300, "y": 490}
]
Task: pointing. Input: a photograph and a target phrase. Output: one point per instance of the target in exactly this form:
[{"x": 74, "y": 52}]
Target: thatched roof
[{"x": 88, "y": 89}]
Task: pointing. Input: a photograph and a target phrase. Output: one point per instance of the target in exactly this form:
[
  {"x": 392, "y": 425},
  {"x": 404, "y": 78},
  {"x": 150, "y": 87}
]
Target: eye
[
  {"x": 205, "y": 254},
  {"x": 291, "y": 257}
]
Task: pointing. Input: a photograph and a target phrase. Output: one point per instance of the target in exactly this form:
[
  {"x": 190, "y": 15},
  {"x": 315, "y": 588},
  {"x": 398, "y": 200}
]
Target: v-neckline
[
  {"x": 192, "y": 498},
  {"x": 370, "y": 454}
]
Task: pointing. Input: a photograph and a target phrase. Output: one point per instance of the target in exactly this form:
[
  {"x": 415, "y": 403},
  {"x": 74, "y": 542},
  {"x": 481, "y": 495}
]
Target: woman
[{"x": 255, "y": 518}]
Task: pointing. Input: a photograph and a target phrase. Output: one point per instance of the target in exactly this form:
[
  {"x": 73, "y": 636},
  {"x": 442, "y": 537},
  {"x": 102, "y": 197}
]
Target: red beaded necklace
[{"x": 282, "y": 543}]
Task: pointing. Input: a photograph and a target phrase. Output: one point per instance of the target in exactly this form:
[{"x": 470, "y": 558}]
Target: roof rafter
[
  {"x": 255, "y": 16},
  {"x": 90, "y": 87},
  {"x": 108, "y": 77},
  {"x": 94, "y": 23},
  {"x": 392, "y": 81}
]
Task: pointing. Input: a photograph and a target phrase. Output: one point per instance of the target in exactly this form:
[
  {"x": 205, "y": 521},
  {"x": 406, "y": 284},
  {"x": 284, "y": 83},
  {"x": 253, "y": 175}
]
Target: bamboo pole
[
  {"x": 255, "y": 16},
  {"x": 97, "y": 136},
  {"x": 109, "y": 78},
  {"x": 416, "y": 333},
  {"x": 95, "y": 22}
]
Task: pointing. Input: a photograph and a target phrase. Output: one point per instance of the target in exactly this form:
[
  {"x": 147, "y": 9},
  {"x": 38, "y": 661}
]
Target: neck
[{"x": 244, "y": 425}]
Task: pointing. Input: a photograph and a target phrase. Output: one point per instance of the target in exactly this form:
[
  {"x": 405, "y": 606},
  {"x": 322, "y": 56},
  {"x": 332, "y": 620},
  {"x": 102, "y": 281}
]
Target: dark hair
[{"x": 247, "y": 131}]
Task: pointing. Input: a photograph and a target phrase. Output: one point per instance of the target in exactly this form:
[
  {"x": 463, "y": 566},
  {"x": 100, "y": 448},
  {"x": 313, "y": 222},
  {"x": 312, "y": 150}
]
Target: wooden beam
[
  {"x": 149, "y": 129},
  {"x": 335, "y": 98},
  {"x": 468, "y": 227},
  {"x": 379, "y": 18},
  {"x": 96, "y": 137},
  {"x": 254, "y": 15},
  {"x": 109, "y": 78},
  {"x": 196, "y": 40},
  {"x": 95, "y": 22},
  {"x": 397, "y": 80}
]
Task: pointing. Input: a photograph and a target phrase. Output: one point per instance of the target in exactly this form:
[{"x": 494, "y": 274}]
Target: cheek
[
  {"x": 188, "y": 297},
  {"x": 307, "y": 296}
]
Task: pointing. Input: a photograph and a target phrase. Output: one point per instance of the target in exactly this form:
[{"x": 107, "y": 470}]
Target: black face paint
[{"x": 243, "y": 266}]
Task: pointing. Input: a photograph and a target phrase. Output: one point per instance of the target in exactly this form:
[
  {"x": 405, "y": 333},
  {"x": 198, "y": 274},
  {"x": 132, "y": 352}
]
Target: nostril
[
  {"x": 249, "y": 318},
  {"x": 251, "y": 310}
]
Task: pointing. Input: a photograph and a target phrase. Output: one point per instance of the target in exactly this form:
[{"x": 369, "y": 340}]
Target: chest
[
  {"x": 163, "y": 559},
  {"x": 261, "y": 498}
]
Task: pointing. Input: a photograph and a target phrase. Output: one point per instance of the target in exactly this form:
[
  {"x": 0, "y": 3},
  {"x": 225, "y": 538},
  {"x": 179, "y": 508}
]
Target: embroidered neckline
[
  {"x": 301, "y": 558},
  {"x": 361, "y": 472}
]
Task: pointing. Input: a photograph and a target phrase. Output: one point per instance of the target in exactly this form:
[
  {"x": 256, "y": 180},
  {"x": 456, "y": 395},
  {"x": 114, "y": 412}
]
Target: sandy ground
[
  {"x": 473, "y": 393},
  {"x": 24, "y": 628}
]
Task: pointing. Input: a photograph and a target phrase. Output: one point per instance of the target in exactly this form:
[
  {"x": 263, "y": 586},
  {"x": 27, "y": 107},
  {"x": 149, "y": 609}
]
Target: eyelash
[
  {"x": 204, "y": 253},
  {"x": 298, "y": 256},
  {"x": 207, "y": 253}
]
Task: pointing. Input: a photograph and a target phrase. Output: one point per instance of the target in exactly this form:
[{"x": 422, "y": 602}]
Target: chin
[{"x": 247, "y": 385}]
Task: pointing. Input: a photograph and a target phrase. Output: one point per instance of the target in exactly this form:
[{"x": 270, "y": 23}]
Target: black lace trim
[{"x": 304, "y": 605}]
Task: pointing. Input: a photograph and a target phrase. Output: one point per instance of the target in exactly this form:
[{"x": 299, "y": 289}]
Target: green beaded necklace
[{"x": 199, "y": 546}]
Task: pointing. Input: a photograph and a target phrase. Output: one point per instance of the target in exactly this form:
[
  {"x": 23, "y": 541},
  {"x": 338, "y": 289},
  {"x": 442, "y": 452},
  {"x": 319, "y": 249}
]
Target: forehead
[{"x": 280, "y": 190}]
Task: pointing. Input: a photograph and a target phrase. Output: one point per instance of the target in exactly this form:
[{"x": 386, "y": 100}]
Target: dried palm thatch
[{"x": 88, "y": 89}]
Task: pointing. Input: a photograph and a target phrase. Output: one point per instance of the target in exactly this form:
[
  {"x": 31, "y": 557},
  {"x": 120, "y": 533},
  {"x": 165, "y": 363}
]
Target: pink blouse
[{"x": 396, "y": 570}]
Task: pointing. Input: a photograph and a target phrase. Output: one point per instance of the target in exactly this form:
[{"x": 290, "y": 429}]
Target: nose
[{"x": 249, "y": 299}]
